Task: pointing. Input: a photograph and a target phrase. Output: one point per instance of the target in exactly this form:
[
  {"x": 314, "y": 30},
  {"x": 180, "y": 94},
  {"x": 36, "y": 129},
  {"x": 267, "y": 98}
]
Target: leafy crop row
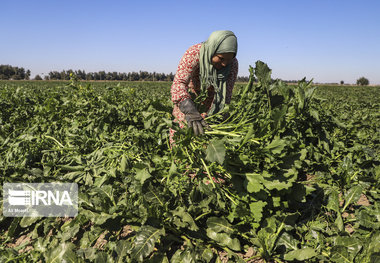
[{"x": 279, "y": 178}]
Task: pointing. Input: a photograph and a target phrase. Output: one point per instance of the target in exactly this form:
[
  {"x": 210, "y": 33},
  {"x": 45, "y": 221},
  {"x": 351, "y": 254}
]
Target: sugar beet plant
[{"x": 278, "y": 178}]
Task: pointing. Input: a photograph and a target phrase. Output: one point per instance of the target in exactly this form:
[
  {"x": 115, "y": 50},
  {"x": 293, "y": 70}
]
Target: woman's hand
[{"x": 193, "y": 117}]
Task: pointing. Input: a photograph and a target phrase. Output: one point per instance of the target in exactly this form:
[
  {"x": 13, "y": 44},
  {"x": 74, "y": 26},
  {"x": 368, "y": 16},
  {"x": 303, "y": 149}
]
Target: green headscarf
[{"x": 222, "y": 41}]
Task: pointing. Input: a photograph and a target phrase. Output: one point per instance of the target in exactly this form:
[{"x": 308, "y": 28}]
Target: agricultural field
[{"x": 288, "y": 173}]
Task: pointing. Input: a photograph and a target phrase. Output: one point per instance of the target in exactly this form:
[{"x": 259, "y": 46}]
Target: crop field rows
[{"x": 288, "y": 173}]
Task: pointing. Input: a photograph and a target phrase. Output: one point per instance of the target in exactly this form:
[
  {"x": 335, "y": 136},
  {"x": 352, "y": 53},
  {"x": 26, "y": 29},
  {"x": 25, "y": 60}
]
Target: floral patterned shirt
[{"x": 187, "y": 80}]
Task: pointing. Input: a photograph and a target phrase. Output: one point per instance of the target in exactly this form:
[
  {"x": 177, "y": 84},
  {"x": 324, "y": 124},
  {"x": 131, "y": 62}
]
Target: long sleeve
[
  {"x": 231, "y": 80},
  {"x": 189, "y": 62}
]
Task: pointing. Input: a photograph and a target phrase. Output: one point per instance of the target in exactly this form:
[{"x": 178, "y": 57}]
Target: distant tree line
[
  {"x": 102, "y": 75},
  {"x": 8, "y": 72},
  {"x": 242, "y": 79},
  {"x": 14, "y": 73}
]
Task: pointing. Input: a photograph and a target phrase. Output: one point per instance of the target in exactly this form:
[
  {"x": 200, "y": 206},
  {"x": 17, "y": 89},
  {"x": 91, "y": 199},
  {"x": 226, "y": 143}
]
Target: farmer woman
[{"x": 212, "y": 67}]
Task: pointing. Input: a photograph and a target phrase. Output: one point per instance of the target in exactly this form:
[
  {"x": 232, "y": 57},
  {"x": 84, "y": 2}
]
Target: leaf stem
[
  {"x": 208, "y": 173},
  {"x": 229, "y": 197},
  {"x": 202, "y": 215},
  {"x": 188, "y": 241},
  {"x": 55, "y": 140}
]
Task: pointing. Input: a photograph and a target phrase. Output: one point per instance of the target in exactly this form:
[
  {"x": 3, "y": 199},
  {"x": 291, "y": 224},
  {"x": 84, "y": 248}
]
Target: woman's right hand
[{"x": 193, "y": 117}]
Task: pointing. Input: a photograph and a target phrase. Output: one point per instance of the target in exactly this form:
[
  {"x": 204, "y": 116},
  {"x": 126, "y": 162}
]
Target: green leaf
[
  {"x": 64, "y": 252},
  {"x": 88, "y": 253},
  {"x": 183, "y": 257},
  {"x": 219, "y": 224},
  {"x": 248, "y": 135},
  {"x": 207, "y": 254},
  {"x": 216, "y": 151},
  {"x": 301, "y": 97},
  {"x": 277, "y": 184},
  {"x": 315, "y": 114},
  {"x": 27, "y": 221},
  {"x": 12, "y": 228},
  {"x": 96, "y": 217},
  {"x": 69, "y": 232},
  {"x": 89, "y": 237},
  {"x": 352, "y": 196},
  {"x": 276, "y": 146},
  {"x": 333, "y": 202},
  {"x": 309, "y": 93},
  {"x": 142, "y": 175},
  {"x": 352, "y": 244},
  {"x": 339, "y": 222},
  {"x": 216, "y": 227},
  {"x": 145, "y": 241},
  {"x": 257, "y": 209},
  {"x": 184, "y": 219},
  {"x": 263, "y": 72},
  {"x": 367, "y": 220},
  {"x": 254, "y": 183},
  {"x": 102, "y": 257},
  {"x": 300, "y": 254},
  {"x": 372, "y": 245},
  {"x": 122, "y": 249},
  {"x": 106, "y": 191},
  {"x": 278, "y": 115},
  {"x": 173, "y": 168},
  {"x": 340, "y": 254},
  {"x": 224, "y": 239},
  {"x": 123, "y": 163},
  {"x": 8, "y": 254},
  {"x": 288, "y": 241}
]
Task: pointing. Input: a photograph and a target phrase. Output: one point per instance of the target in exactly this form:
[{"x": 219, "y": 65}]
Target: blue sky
[{"x": 327, "y": 41}]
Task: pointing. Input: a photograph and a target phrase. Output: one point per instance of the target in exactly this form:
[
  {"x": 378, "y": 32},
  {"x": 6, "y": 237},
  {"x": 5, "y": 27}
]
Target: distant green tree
[
  {"x": 144, "y": 75},
  {"x": 96, "y": 76},
  {"x": 81, "y": 74},
  {"x": 170, "y": 77},
  {"x": 27, "y": 76},
  {"x": 15, "y": 73},
  {"x": 6, "y": 71},
  {"x": 115, "y": 76},
  {"x": 341, "y": 82},
  {"x": 89, "y": 76},
  {"x": 102, "y": 75},
  {"x": 362, "y": 81},
  {"x": 54, "y": 75},
  {"x": 37, "y": 77},
  {"x": 62, "y": 75},
  {"x": 134, "y": 76},
  {"x": 109, "y": 76}
]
